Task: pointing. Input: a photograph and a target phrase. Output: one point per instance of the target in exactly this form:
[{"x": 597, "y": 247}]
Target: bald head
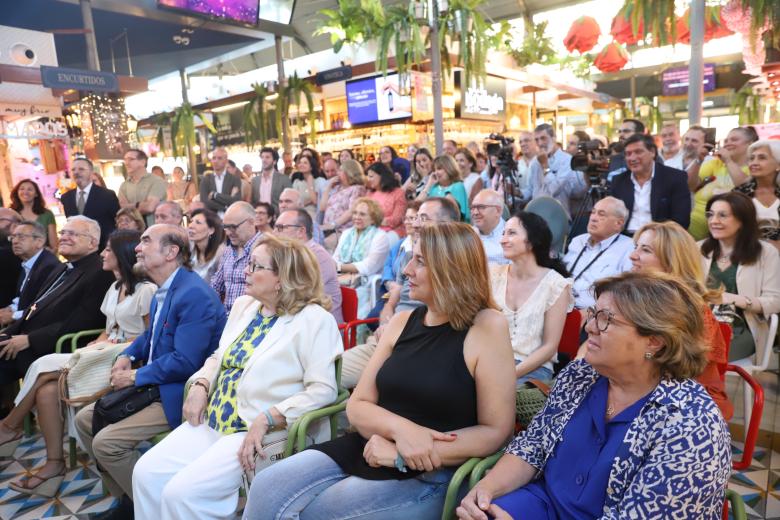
[
  {"x": 163, "y": 249},
  {"x": 289, "y": 199},
  {"x": 238, "y": 223}
]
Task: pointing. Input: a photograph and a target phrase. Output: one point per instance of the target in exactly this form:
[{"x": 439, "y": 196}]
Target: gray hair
[
  {"x": 38, "y": 230},
  {"x": 772, "y": 144},
  {"x": 546, "y": 127},
  {"x": 174, "y": 206},
  {"x": 618, "y": 207},
  {"x": 293, "y": 190},
  {"x": 93, "y": 228},
  {"x": 244, "y": 207},
  {"x": 304, "y": 219},
  {"x": 176, "y": 236}
]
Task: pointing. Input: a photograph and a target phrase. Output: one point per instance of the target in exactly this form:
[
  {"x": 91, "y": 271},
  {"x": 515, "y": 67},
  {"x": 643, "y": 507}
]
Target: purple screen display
[
  {"x": 377, "y": 99},
  {"x": 244, "y": 11},
  {"x": 361, "y": 101}
]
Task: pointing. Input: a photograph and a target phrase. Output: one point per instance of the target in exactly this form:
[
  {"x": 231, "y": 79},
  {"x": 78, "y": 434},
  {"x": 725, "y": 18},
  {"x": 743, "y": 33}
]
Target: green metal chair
[{"x": 72, "y": 340}]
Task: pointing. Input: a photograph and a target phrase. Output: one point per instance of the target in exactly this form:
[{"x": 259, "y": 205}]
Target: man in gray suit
[
  {"x": 269, "y": 185},
  {"x": 220, "y": 189}
]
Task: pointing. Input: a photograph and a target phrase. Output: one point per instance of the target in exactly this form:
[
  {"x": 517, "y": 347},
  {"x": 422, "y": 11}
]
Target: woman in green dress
[
  {"x": 445, "y": 181},
  {"x": 28, "y": 201},
  {"x": 746, "y": 267}
]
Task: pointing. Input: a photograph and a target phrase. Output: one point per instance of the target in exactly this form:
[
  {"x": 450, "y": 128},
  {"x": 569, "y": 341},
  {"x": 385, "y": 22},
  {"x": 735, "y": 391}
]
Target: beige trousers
[
  {"x": 355, "y": 360},
  {"x": 114, "y": 446}
]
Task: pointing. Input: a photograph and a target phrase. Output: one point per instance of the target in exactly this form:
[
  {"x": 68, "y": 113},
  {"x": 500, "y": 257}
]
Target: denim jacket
[{"x": 674, "y": 462}]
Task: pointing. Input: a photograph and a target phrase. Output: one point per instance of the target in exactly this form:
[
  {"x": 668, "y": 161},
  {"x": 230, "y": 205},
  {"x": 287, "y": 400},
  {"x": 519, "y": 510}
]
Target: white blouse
[
  {"x": 125, "y": 319},
  {"x": 526, "y": 324}
]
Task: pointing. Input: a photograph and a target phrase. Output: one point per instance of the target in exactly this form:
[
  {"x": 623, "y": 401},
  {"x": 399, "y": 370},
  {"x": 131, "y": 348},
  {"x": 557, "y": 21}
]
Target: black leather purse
[{"x": 121, "y": 404}]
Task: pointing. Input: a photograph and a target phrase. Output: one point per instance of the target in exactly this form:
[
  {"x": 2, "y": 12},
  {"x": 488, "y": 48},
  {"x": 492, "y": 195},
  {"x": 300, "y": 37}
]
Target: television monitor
[
  {"x": 376, "y": 99},
  {"x": 239, "y": 11}
]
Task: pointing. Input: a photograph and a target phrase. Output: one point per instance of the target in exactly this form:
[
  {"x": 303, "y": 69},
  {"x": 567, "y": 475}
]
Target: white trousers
[{"x": 193, "y": 473}]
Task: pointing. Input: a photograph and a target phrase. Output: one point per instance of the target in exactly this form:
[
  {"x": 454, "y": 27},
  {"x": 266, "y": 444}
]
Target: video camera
[
  {"x": 505, "y": 165},
  {"x": 593, "y": 160}
]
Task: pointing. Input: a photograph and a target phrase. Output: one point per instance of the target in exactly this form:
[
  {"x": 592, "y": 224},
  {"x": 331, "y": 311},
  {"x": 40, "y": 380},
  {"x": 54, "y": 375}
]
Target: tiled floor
[{"x": 81, "y": 494}]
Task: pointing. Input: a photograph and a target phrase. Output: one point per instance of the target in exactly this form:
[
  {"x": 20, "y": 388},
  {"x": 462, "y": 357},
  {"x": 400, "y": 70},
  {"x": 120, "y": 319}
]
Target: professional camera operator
[
  {"x": 551, "y": 174},
  {"x": 505, "y": 179}
]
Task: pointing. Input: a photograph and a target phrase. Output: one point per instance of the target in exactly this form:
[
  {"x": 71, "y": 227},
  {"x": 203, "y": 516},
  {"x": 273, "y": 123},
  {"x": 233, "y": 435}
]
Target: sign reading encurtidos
[
  {"x": 89, "y": 80},
  {"x": 486, "y": 101}
]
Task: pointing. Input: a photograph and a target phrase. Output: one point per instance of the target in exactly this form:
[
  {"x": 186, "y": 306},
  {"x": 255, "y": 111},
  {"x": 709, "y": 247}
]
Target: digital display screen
[
  {"x": 242, "y": 11},
  {"x": 378, "y": 98}
]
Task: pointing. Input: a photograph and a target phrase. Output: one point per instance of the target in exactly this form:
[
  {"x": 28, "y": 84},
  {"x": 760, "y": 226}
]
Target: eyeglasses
[
  {"x": 479, "y": 208},
  {"x": 253, "y": 268},
  {"x": 281, "y": 227},
  {"x": 20, "y": 236},
  {"x": 233, "y": 227},
  {"x": 422, "y": 219},
  {"x": 604, "y": 317},
  {"x": 721, "y": 215},
  {"x": 68, "y": 233}
]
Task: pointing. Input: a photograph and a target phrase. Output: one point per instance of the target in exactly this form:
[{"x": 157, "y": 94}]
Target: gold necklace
[{"x": 610, "y": 411}]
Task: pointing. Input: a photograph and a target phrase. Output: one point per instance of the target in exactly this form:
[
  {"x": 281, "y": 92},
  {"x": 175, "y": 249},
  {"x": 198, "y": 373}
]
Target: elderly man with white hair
[
  {"x": 289, "y": 199},
  {"x": 601, "y": 252},
  {"x": 168, "y": 212},
  {"x": 69, "y": 301}
]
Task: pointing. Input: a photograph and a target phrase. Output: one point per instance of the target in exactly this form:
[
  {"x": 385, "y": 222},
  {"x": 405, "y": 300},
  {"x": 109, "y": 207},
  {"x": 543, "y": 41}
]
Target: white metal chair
[{"x": 753, "y": 365}]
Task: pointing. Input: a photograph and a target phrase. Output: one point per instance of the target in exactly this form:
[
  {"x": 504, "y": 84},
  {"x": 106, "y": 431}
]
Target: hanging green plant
[
  {"x": 162, "y": 122},
  {"x": 656, "y": 17},
  {"x": 183, "y": 127},
  {"x": 402, "y": 32},
  {"x": 354, "y": 22},
  {"x": 747, "y": 105},
  {"x": 291, "y": 95},
  {"x": 255, "y": 117},
  {"x": 537, "y": 47}
]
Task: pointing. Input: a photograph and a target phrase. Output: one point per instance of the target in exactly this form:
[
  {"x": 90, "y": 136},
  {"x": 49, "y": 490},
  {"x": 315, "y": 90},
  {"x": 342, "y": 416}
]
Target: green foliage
[
  {"x": 658, "y": 17},
  {"x": 291, "y": 95},
  {"x": 255, "y": 117},
  {"x": 537, "y": 47},
  {"x": 354, "y": 22},
  {"x": 183, "y": 127},
  {"x": 747, "y": 105}
]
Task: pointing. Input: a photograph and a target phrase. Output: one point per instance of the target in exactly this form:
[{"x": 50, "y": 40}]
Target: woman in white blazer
[
  {"x": 748, "y": 268},
  {"x": 275, "y": 362}
]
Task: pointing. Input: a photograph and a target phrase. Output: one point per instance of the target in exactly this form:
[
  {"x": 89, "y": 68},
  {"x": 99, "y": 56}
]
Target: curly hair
[{"x": 39, "y": 204}]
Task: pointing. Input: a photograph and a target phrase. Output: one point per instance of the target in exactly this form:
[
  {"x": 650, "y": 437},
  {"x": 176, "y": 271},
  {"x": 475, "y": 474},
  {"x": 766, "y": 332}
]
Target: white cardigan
[
  {"x": 759, "y": 281},
  {"x": 375, "y": 257},
  {"x": 293, "y": 369}
]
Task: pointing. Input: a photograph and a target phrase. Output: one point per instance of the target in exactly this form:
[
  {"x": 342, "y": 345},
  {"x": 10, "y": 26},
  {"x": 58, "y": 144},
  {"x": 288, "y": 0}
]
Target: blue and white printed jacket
[{"x": 674, "y": 462}]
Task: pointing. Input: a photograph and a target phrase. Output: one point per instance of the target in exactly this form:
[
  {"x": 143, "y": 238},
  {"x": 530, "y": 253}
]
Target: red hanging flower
[
  {"x": 583, "y": 35},
  {"x": 623, "y": 31},
  {"x": 612, "y": 58},
  {"x": 714, "y": 26}
]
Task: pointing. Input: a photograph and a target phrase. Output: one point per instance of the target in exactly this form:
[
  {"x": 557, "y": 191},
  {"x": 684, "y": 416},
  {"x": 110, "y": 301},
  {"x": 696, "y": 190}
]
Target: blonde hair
[
  {"x": 667, "y": 307},
  {"x": 449, "y": 165},
  {"x": 374, "y": 209},
  {"x": 353, "y": 171},
  {"x": 134, "y": 215},
  {"x": 298, "y": 272},
  {"x": 679, "y": 255},
  {"x": 454, "y": 254}
]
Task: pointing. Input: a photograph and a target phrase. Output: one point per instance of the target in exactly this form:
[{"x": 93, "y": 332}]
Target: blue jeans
[
  {"x": 541, "y": 373},
  {"x": 311, "y": 486}
]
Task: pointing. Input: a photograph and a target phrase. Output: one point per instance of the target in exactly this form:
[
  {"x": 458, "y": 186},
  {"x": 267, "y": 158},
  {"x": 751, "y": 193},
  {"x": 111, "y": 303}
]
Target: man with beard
[{"x": 186, "y": 322}]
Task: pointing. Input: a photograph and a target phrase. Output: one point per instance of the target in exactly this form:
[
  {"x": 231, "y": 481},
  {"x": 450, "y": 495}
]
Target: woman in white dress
[
  {"x": 534, "y": 293},
  {"x": 126, "y": 306},
  {"x": 207, "y": 242}
]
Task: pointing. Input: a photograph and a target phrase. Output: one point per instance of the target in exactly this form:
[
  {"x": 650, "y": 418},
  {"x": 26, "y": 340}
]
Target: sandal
[
  {"x": 45, "y": 487},
  {"x": 8, "y": 448}
]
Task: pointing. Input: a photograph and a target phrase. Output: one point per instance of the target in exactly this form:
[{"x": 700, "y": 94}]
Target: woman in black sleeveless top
[{"x": 438, "y": 390}]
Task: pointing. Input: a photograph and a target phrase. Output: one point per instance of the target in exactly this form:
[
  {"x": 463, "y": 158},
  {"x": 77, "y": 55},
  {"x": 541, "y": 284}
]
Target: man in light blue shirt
[
  {"x": 486, "y": 211},
  {"x": 550, "y": 173},
  {"x": 601, "y": 252}
]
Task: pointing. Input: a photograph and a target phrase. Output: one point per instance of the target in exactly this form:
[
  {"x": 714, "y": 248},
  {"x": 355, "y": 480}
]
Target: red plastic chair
[
  {"x": 755, "y": 417},
  {"x": 350, "y": 332},
  {"x": 570, "y": 337},
  {"x": 349, "y": 307}
]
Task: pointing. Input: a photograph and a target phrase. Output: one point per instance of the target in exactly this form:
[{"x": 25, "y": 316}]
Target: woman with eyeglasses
[
  {"x": 265, "y": 216},
  {"x": 27, "y": 199},
  {"x": 747, "y": 268},
  {"x": 275, "y": 362},
  {"x": 126, "y": 307},
  {"x": 625, "y": 432},
  {"x": 667, "y": 247}
]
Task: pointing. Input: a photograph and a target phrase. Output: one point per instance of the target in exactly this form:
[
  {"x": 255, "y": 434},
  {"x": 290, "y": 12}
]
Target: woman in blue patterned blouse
[
  {"x": 626, "y": 432},
  {"x": 275, "y": 362}
]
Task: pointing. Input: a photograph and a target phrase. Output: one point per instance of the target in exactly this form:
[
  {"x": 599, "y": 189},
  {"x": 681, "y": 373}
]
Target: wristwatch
[{"x": 132, "y": 376}]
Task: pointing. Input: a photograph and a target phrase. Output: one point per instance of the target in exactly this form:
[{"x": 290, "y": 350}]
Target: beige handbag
[
  {"x": 274, "y": 444},
  {"x": 85, "y": 377}
]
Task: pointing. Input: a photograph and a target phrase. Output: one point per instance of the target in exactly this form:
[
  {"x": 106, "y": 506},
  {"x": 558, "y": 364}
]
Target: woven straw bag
[
  {"x": 85, "y": 377},
  {"x": 529, "y": 401}
]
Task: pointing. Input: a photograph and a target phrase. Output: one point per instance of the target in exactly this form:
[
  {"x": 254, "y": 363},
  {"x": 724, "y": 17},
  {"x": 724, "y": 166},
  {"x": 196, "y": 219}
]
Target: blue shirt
[{"x": 578, "y": 470}]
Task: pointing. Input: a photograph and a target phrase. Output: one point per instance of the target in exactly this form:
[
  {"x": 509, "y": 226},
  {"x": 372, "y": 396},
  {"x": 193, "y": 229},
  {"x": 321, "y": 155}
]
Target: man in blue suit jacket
[
  {"x": 651, "y": 191},
  {"x": 186, "y": 322}
]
